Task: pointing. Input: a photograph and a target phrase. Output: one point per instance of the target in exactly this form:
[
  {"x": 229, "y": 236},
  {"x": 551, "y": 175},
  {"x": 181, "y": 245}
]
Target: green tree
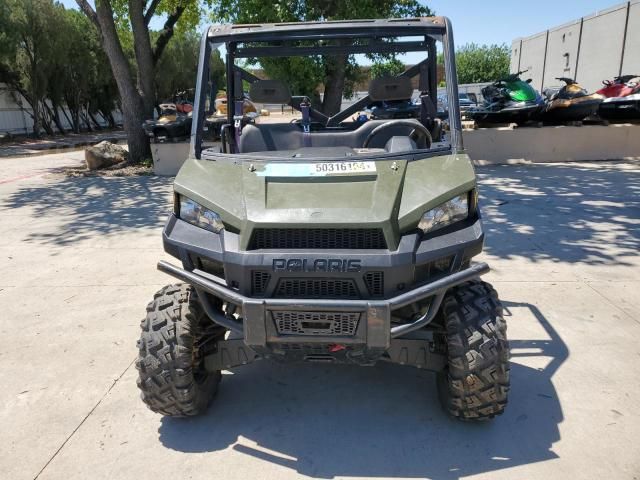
[
  {"x": 390, "y": 68},
  {"x": 482, "y": 63},
  {"x": 51, "y": 57},
  {"x": 177, "y": 70},
  {"x": 305, "y": 75},
  {"x": 84, "y": 81},
  {"x": 137, "y": 96},
  {"x": 30, "y": 53}
]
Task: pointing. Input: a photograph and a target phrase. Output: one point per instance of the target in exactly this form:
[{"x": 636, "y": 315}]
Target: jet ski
[
  {"x": 623, "y": 98},
  {"x": 571, "y": 103},
  {"x": 508, "y": 100}
]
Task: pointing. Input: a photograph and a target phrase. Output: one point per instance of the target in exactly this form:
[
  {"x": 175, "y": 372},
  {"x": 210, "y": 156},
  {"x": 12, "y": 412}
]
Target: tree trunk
[
  {"x": 334, "y": 84},
  {"x": 64, "y": 112},
  {"x": 132, "y": 106},
  {"x": 144, "y": 56},
  {"x": 75, "y": 119},
  {"x": 36, "y": 118},
  {"x": 87, "y": 122},
  {"x": 94, "y": 120},
  {"x": 110, "y": 119},
  {"x": 54, "y": 114}
]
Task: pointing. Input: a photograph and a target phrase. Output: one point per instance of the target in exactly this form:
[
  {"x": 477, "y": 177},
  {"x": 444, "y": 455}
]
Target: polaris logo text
[{"x": 318, "y": 265}]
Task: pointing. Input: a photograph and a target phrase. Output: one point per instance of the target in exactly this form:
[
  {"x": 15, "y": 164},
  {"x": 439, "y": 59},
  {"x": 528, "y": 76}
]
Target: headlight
[
  {"x": 197, "y": 215},
  {"x": 443, "y": 215}
]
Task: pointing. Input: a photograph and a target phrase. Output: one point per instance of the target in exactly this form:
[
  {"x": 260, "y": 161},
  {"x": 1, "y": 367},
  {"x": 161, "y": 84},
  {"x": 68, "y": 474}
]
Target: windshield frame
[{"x": 232, "y": 35}]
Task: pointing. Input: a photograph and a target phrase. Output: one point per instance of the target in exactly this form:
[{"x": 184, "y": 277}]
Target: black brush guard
[{"x": 375, "y": 337}]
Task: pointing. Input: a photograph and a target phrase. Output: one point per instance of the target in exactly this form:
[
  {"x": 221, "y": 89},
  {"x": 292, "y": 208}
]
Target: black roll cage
[{"x": 243, "y": 41}]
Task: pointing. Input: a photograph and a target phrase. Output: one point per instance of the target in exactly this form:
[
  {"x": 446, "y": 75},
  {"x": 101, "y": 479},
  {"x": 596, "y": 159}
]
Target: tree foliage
[
  {"x": 336, "y": 75},
  {"x": 177, "y": 69},
  {"x": 390, "y": 68},
  {"x": 50, "y": 57},
  {"x": 123, "y": 26},
  {"x": 482, "y": 63},
  {"x": 53, "y": 58}
]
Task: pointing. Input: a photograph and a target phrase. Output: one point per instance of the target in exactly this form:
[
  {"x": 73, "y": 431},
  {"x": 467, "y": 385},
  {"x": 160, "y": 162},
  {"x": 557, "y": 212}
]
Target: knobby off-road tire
[
  {"x": 475, "y": 384},
  {"x": 172, "y": 379}
]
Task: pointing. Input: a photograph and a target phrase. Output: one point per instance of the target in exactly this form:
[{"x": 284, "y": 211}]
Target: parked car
[
  {"x": 466, "y": 101},
  {"x": 394, "y": 109}
]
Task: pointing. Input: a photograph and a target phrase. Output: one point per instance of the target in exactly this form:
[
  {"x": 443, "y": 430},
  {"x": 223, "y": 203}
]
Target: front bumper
[
  {"x": 380, "y": 324},
  {"x": 374, "y": 328}
]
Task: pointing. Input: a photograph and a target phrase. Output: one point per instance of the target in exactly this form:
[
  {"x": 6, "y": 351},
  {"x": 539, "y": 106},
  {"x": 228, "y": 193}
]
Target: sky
[{"x": 487, "y": 22}]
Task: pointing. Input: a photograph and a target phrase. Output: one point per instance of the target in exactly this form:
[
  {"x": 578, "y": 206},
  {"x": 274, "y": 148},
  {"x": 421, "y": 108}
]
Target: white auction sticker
[{"x": 315, "y": 169}]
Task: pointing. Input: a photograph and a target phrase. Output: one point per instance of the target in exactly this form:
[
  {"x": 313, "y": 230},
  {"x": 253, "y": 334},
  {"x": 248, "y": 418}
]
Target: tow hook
[{"x": 336, "y": 347}]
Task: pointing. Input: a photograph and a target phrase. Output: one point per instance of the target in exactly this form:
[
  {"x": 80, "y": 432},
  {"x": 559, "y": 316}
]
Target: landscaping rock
[{"x": 104, "y": 154}]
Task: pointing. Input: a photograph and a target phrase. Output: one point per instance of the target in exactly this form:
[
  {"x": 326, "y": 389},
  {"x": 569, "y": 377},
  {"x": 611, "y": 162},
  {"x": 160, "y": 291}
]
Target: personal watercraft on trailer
[
  {"x": 623, "y": 98},
  {"x": 508, "y": 100},
  {"x": 571, "y": 103}
]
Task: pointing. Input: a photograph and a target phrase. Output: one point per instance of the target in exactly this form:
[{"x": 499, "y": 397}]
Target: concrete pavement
[{"x": 77, "y": 266}]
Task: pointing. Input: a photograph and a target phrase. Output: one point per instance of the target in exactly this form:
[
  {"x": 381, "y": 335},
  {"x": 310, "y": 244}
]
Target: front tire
[
  {"x": 475, "y": 384},
  {"x": 171, "y": 374}
]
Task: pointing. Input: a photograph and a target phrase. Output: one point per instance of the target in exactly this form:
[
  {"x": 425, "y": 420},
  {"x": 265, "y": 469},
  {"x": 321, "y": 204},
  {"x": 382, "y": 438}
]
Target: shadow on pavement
[
  {"x": 563, "y": 213},
  {"x": 328, "y": 421},
  {"x": 87, "y": 206}
]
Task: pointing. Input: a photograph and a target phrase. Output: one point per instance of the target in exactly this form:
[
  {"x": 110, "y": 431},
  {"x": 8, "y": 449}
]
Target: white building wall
[
  {"x": 12, "y": 118},
  {"x": 631, "y": 61},
  {"x": 590, "y": 49},
  {"x": 601, "y": 47},
  {"x": 532, "y": 58},
  {"x": 15, "y": 115},
  {"x": 516, "y": 45},
  {"x": 562, "y": 53}
]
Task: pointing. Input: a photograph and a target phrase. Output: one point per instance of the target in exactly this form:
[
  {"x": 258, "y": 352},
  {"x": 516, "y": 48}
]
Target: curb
[{"x": 58, "y": 149}]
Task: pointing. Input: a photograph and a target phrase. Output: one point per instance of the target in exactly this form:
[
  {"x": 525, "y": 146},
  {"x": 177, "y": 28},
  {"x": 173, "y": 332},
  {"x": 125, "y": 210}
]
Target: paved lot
[{"x": 77, "y": 265}]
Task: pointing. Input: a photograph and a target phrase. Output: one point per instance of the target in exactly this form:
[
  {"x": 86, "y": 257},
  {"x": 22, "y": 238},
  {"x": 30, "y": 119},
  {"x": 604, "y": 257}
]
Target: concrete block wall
[{"x": 590, "y": 49}]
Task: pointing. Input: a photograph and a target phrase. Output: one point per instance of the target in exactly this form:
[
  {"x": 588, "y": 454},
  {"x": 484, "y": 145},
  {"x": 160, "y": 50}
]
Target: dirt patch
[{"x": 114, "y": 171}]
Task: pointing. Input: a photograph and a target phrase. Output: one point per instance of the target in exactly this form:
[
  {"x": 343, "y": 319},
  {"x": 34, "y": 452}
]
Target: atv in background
[
  {"x": 320, "y": 239},
  {"x": 508, "y": 100},
  {"x": 171, "y": 125}
]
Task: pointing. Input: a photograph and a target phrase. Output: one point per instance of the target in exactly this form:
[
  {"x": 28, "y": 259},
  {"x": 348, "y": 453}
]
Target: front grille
[
  {"x": 316, "y": 323},
  {"x": 318, "y": 238},
  {"x": 375, "y": 283},
  {"x": 316, "y": 288},
  {"x": 259, "y": 282}
]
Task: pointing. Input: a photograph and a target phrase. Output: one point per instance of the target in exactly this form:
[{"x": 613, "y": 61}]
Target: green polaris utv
[{"x": 318, "y": 235}]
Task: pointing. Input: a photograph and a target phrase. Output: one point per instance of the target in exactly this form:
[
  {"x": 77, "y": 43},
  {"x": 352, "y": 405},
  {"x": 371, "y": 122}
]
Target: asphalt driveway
[{"x": 77, "y": 266}]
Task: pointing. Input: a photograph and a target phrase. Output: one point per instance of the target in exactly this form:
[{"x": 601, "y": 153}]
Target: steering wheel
[{"x": 419, "y": 132}]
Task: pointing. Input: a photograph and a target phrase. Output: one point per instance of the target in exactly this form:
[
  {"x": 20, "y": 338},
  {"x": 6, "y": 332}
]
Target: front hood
[{"x": 248, "y": 194}]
